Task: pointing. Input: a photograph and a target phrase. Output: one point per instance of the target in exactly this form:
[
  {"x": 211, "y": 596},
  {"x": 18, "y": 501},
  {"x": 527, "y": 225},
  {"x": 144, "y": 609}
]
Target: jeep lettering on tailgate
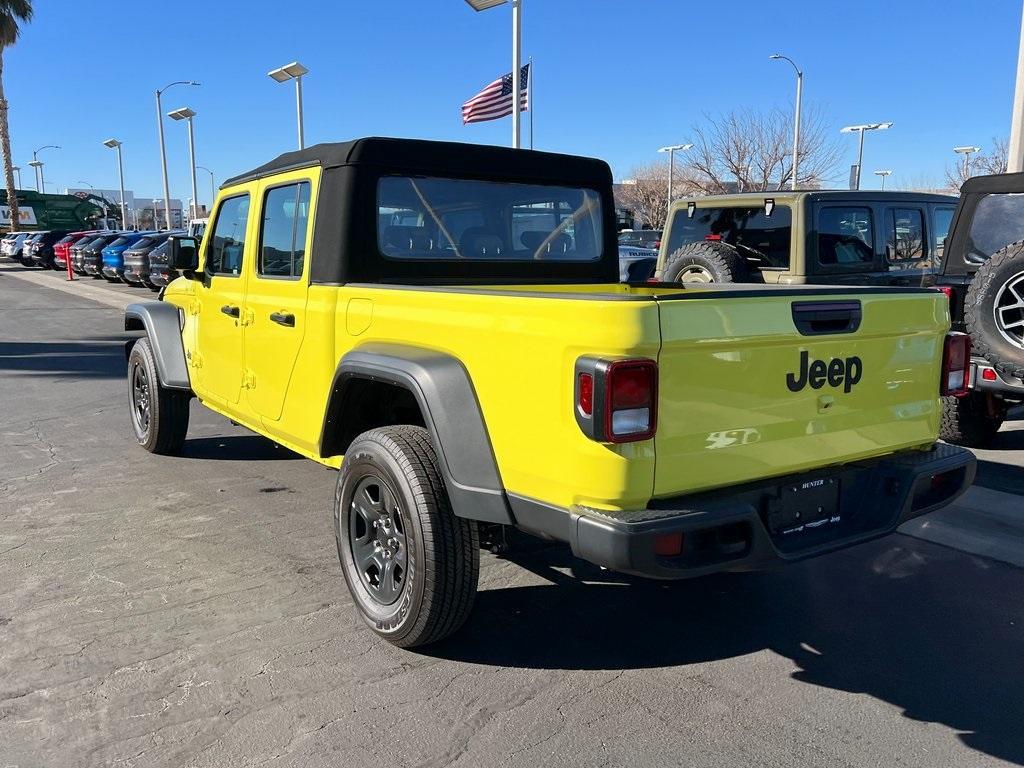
[{"x": 837, "y": 371}]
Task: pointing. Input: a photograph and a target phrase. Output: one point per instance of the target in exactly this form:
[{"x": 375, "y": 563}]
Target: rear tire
[
  {"x": 705, "y": 262},
  {"x": 995, "y": 300},
  {"x": 966, "y": 421},
  {"x": 159, "y": 415},
  {"x": 410, "y": 564}
]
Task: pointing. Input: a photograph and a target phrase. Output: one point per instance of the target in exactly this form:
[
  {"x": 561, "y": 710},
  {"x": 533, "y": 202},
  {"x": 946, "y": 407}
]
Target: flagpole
[
  {"x": 516, "y": 59},
  {"x": 529, "y": 98}
]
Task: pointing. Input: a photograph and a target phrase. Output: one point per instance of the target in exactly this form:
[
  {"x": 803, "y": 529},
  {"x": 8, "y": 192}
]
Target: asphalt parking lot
[{"x": 191, "y": 611}]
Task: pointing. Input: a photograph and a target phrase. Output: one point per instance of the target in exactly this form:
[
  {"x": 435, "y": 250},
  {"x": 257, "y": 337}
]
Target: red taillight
[
  {"x": 630, "y": 401},
  {"x": 668, "y": 544},
  {"x": 616, "y": 400},
  {"x": 956, "y": 362},
  {"x": 948, "y": 290},
  {"x": 657, "y": 244},
  {"x": 585, "y": 394},
  {"x": 989, "y": 375},
  {"x": 713, "y": 237}
]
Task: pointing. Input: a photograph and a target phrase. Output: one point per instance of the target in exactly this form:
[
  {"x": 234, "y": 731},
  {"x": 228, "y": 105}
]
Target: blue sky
[{"x": 613, "y": 80}]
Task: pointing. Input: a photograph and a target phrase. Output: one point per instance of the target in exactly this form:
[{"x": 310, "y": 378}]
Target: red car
[{"x": 63, "y": 246}]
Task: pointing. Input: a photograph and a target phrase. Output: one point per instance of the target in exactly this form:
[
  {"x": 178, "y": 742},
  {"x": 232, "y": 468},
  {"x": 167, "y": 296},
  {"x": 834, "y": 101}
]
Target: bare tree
[
  {"x": 646, "y": 194},
  {"x": 981, "y": 164},
  {"x": 752, "y": 151}
]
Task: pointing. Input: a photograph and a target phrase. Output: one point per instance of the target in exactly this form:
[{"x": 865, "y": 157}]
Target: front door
[
  {"x": 219, "y": 303},
  {"x": 275, "y": 300}
]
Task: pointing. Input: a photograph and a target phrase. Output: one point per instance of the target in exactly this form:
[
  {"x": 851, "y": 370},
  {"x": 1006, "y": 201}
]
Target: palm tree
[{"x": 12, "y": 13}]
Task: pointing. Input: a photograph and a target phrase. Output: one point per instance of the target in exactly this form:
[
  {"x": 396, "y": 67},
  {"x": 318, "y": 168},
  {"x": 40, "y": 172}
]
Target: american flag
[{"x": 495, "y": 100}]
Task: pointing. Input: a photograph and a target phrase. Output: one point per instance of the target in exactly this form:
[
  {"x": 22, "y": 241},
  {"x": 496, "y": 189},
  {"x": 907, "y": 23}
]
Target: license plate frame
[{"x": 805, "y": 505}]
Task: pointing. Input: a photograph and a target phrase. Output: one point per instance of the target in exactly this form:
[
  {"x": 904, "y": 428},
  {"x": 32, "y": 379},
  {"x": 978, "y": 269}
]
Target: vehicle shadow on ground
[
  {"x": 934, "y": 632},
  {"x": 247, "y": 447},
  {"x": 98, "y": 359},
  {"x": 998, "y": 476}
]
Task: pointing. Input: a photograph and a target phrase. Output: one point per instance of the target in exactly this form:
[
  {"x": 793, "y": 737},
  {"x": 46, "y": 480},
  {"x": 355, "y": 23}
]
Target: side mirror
[{"x": 184, "y": 255}]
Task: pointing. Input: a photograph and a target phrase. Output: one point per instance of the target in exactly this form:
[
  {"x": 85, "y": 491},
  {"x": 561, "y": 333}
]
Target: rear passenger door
[
  {"x": 906, "y": 244},
  {"x": 275, "y": 302},
  {"x": 845, "y": 245}
]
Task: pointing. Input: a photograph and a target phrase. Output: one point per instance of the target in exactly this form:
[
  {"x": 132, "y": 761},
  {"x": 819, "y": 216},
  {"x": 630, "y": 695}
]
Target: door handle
[
  {"x": 230, "y": 310},
  {"x": 283, "y": 318}
]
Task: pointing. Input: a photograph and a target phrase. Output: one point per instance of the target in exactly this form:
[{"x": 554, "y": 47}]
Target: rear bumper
[
  {"x": 996, "y": 383},
  {"x": 733, "y": 529}
]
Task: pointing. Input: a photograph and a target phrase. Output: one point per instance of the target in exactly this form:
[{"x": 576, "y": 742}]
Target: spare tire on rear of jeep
[
  {"x": 705, "y": 261},
  {"x": 994, "y": 310}
]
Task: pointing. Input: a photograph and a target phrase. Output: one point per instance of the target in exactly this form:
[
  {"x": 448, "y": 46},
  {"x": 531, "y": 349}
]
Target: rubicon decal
[{"x": 844, "y": 372}]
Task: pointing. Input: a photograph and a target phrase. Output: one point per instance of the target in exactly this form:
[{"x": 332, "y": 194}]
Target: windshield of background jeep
[
  {"x": 763, "y": 240},
  {"x": 448, "y": 219},
  {"x": 998, "y": 221}
]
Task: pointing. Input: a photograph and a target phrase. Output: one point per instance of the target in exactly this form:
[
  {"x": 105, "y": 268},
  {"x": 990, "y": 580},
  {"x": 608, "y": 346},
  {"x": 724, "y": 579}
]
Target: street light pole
[
  {"x": 517, "y": 14},
  {"x": 883, "y": 174},
  {"x": 115, "y": 144},
  {"x": 39, "y": 166},
  {"x": 213, "y": 187},
  {"x": 293, "y": 71},
  {"x": 163, "y": 148},
  {"x": 861, "y": 130},
  {"x": 796, "y": 117},
  {"x": 966, "y": 152},
  {"x": 671, "y": 164},
  {"x": 17, "y": 170},
  {"x": 186, "y": 114}
]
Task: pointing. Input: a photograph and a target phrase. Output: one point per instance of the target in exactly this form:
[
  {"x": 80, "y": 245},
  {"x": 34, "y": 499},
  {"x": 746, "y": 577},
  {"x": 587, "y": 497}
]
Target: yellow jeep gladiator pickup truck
[{"x": 444, "y": 323}]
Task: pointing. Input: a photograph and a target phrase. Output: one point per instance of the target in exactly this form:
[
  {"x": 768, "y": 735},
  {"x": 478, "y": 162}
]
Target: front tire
[
  {"x": 410, "y": 564},
  {"x": 159, "y": 415},
  {"x": 966, "y": 421}
]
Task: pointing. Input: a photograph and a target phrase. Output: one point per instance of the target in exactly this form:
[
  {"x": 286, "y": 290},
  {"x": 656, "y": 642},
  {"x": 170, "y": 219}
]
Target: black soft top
[
  {"x": 444, "y": 157},
  {"x": 345, "y": 246},
  {"x": 1000, "y": 183}
]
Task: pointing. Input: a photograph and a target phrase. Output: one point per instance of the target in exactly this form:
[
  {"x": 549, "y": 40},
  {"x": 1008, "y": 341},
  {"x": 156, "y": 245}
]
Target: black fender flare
[
  {"x": 444, "y": 392},
  {"x": 162, "y": 325}
]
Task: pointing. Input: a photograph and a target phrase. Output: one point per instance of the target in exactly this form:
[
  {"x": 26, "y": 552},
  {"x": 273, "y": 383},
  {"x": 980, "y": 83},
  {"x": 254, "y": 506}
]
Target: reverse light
[
  {"x": 616, "y": 400},
  {"x": 956, "y": 362}
]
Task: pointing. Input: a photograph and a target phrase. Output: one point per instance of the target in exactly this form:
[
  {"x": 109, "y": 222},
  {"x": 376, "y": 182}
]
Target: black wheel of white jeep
[
  {"x": 994, "y": 310},
  {"x": 159, "y": 415},
  {"x": 967, "y": 420},
  {"x": 411, "y": 564},
  {"x": 705, "y": 262}
]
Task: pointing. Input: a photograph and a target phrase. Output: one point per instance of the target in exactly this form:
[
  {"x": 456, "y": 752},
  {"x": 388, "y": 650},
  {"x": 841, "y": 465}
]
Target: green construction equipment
[{"x": 44, "y": 212}]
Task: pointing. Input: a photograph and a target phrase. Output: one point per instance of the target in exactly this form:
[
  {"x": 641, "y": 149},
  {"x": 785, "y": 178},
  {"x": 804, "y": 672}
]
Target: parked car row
[{"x": 136, "y": 258}]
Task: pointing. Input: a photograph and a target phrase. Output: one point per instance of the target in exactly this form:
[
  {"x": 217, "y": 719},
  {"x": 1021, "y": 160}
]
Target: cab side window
[
  {"x": 226, "y": 247},
  {"x": 904, "y": 230},
  {"x": 845, "y": 237},
  {"x": 283, "y": 236}
]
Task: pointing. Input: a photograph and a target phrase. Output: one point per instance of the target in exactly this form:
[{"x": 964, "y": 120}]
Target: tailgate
[{"x": 754, "y": 384}]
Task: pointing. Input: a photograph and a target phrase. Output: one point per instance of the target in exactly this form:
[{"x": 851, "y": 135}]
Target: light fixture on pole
[
  {"x": 39, "y": 166},
  {"x": 17, "y": 170},
  {"x": 671, "y": 164},
  {"x": 163, "y": 149},
  {"x": 293, "y": 71},
  {"x": 883, "y": 174},
  {"x": 517, "y": 37},
  {"x": 115, "y": 144},
  {"x": 796, "y": 116},
  {"x": 862, "y": 129},
  {"x": 186, "y": 114},
  {"x": 967, "y": 152},
  {"x": 213, "y": 186}
]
